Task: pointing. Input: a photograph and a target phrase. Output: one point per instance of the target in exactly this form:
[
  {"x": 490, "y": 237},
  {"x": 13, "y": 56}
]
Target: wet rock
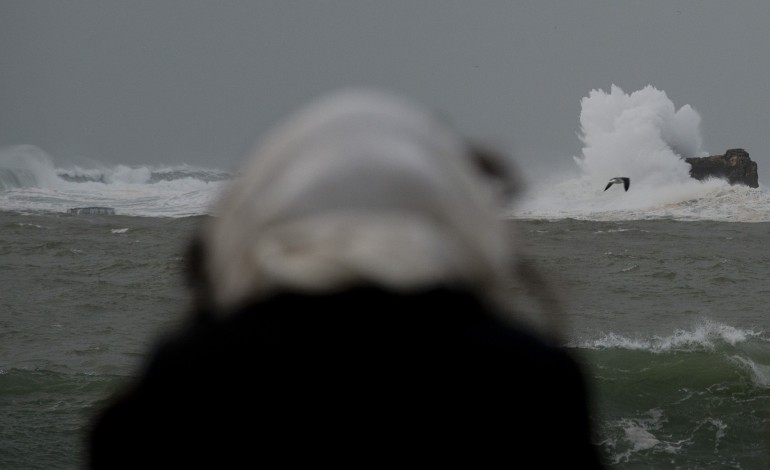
[{"x": 735, "y": 166}]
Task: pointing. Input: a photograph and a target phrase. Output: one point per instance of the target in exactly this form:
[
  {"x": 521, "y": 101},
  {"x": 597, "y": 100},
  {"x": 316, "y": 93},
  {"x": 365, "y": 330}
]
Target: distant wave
[
  {"x": 31, "y": 182},
  {"x": 28, "y": 166},
  {"x": 711, "y": 200},
  {"x": 707, "y": 335},
  {"x": 147, "y": 175},
  {"x": 643, "y": 136},
  {"x": 25, "y": 166}
]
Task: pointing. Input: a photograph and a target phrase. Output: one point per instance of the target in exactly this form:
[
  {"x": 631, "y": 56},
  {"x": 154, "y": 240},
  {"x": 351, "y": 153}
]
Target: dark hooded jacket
[{"x": 348, "y": 315}]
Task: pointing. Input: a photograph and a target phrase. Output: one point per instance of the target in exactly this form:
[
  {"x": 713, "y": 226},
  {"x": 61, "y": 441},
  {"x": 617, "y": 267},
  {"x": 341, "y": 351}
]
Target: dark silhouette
[
  {"x": 350, "y": 312},
  {"x": 626, "y": 182}
]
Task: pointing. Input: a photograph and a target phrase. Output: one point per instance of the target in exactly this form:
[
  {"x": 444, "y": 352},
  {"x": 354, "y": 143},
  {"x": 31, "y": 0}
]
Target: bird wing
[
  {"x": 608, "y": 185},
  {"x": 626, "y": 183}
]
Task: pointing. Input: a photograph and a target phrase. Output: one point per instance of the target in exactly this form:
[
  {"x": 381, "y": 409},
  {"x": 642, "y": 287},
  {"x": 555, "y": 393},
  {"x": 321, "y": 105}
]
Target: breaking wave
[
  {"x": 643, "y": 136},
  {"x": 31, "y": 182}
]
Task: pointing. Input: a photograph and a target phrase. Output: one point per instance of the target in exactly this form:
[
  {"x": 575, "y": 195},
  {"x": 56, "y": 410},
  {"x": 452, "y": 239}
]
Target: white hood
[{"x": 360, "y": 187}]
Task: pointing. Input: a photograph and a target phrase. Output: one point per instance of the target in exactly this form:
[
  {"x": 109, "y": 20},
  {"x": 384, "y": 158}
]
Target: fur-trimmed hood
[{"x": 360, "y": 187}]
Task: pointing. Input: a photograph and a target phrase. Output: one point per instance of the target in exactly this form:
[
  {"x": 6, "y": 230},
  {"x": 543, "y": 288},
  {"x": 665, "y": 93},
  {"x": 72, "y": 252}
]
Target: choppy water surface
[{"x": 668, "y": 317}]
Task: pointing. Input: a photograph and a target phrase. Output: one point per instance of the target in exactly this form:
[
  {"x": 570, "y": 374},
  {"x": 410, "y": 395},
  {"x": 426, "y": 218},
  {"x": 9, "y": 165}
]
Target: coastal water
[
  {"x": 82, "y": 299},
  {"x": 661, "y": 292},
  {"x": 670, "y": 319}
]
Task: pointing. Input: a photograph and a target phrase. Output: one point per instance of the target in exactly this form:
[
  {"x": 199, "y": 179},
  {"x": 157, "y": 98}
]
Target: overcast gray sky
[{"x": 190, "y": 81}]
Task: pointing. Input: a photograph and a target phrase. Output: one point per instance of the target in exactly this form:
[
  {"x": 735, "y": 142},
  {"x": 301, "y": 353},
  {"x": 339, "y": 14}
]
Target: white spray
[
  {"x": 644, "y": 137},
  {"x": 641, "y": 136}
]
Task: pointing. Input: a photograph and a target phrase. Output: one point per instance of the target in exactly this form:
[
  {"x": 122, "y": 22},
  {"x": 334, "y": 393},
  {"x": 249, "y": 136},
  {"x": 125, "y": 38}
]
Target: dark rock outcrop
[
  {"x": 92, "y": 211},
  {"x": 735, "y": 166}
]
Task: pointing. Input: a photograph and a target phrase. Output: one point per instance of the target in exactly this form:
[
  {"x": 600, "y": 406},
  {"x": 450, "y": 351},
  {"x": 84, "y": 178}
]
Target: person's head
[{"x": 359, "y": 188}]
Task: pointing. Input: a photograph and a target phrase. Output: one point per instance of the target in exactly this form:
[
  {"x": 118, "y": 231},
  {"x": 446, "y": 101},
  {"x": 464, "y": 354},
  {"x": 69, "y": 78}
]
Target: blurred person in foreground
[{"x": 349, "y": 311}]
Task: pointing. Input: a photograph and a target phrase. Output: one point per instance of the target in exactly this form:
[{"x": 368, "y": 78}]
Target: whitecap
[{"x": 640, "y": 135}]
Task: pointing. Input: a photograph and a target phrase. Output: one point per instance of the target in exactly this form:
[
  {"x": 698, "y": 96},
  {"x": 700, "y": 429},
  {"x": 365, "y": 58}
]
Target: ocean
[{"x": 661, "y": 292}]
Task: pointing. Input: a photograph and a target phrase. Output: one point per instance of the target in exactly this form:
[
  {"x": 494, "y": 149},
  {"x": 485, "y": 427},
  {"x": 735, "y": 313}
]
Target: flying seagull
[{"x": 621, "y": 179}]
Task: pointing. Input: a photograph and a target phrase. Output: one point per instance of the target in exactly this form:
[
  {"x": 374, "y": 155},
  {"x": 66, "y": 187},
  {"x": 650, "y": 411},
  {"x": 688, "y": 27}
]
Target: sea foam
[
  {"x": 643, "y": 136},
  {"x": 31, "y": 182},
  {"x": 706, "y": 335}
]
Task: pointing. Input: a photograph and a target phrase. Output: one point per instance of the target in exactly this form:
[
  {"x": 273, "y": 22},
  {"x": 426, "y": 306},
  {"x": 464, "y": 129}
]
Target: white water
[
  {"x": 30, "y": 182},
  {"x": 705, "y": 335},
  {"x": 643, "y": 136}
]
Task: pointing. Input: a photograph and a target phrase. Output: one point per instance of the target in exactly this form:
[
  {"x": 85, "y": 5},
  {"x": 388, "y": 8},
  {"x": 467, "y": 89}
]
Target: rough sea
[{"x": 662, "y": 292}]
